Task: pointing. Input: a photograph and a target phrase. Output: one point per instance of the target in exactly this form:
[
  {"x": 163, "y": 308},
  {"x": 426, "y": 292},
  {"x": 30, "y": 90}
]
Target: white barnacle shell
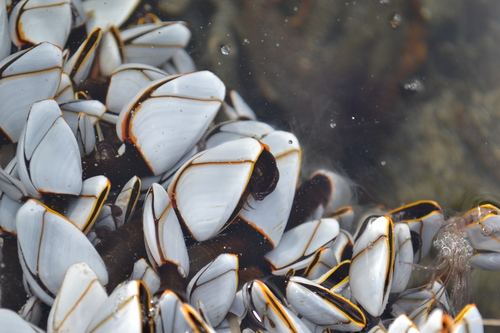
[
  {"x": 403, "y": 324},
  {"x": 143, "y": 271},
  {"x": 298, "y": 245},
  {"x": 83, "y": 210},
  {"x": 270, "y": 215},
  {"x": 48, "y": 245},
  {"x": 207, "y": 191},
  {"x": 105, "y": 13},
  {"x": 48, "y": 155},
  {"x": 403, "y": 258},
  {"x": 162, "y": 232},
  {"x": 469, "y": 320},
  {"x": 79, "y": 65},
  {"x": 215, "y": 287},
  {"x": 125, "y": 310},
  {"x": 78, "y": 300},
  {"x": 126, "y": 81},
  {"x": 322, "y": 306},
  {"x": 268, "y": 312},
  {"x": 36, "y": 21},
  {"x": 111, "y": 53},
  {"x": 154, "y": 43},
  {"x": 172, "y": 315},
  {"x": 26, "y": 77},
  {"x": 4, "y": 31},
  {"x": 373, "y": 247},
  {"x": 166, "y": 118},
  {"x": 424, "y": 218},
  {"x": 13, "y": 322}
]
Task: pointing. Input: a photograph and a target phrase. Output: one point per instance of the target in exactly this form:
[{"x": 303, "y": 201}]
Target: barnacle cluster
[{"x": 139, "y": 196}]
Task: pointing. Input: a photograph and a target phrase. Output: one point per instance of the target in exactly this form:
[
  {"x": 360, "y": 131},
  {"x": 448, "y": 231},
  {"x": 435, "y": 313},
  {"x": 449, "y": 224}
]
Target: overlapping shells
[{"x": 139, "y": 199}]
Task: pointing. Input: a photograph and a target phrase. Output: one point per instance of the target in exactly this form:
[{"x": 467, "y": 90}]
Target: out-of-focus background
[{"x": 402, "y": 96}]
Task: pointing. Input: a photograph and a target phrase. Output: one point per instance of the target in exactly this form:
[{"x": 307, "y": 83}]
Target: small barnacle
[
  {"x": 453, "y": 262},
  {"x": 106, "y": 150}
]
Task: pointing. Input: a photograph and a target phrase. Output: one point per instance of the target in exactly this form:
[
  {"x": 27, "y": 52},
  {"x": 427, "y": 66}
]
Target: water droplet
[
  {"x": 333, "y": 125},
  {"x": 181, "y": 272},
  {"x": 246, "y": 41},
  {"x": 486, "y": 230},
  {"x": 412, "y": 86},
  {"x": 225, "y": 49},
  {"x": 120, "y": 299},
  {"x": 295, "y": 8},
  {"x": 152, "y": 309},
  {"x": 383, "y": 163},
  {"x": 395, "y": 20}
]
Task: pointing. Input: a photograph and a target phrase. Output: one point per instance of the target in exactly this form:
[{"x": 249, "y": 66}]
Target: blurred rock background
[
  {"x": 399, "y": 95},
  {"x": 402, "y": 96}
]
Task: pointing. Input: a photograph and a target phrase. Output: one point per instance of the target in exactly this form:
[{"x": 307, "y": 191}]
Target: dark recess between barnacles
[{"x": 12, "y": 294}]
